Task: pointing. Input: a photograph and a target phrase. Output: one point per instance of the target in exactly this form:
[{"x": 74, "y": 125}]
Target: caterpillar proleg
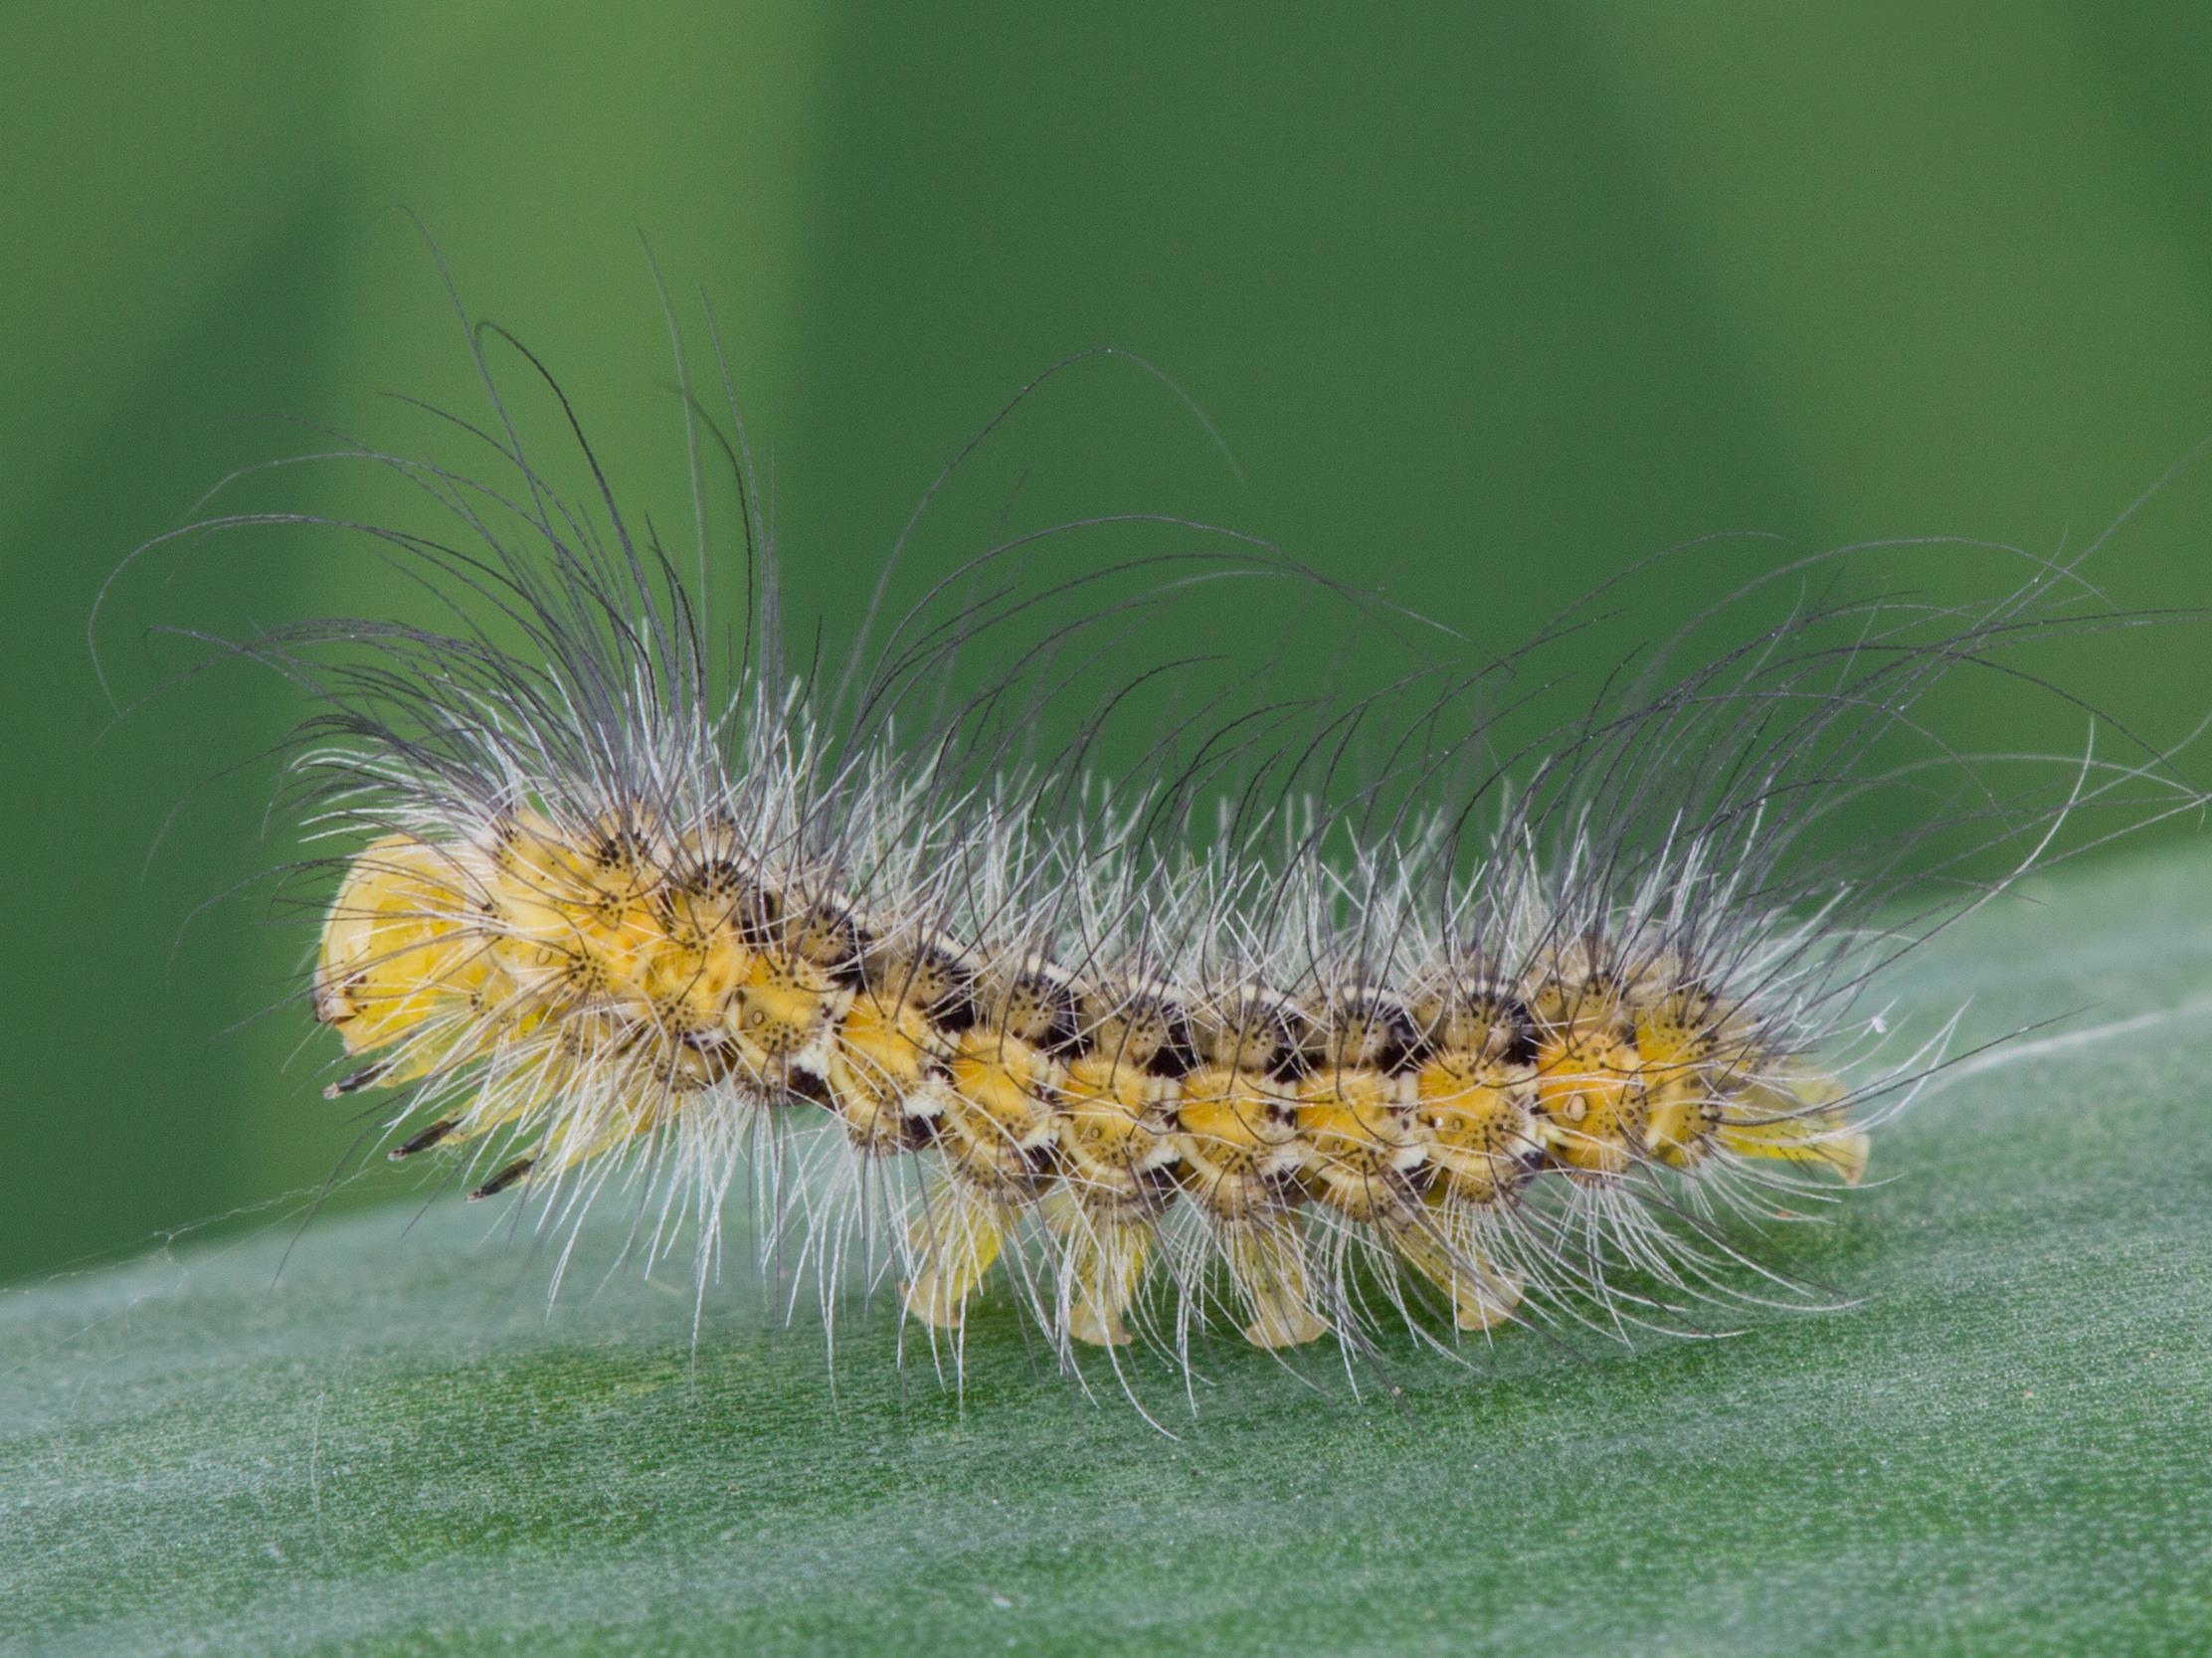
[{"x": 1335, "y": 1017}]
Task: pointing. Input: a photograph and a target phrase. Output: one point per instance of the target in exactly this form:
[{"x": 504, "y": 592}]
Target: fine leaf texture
[{"x": 391, "y": 1445}]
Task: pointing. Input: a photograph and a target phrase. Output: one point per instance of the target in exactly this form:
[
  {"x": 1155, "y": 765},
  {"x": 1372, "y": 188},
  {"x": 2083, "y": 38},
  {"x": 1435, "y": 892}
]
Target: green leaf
[{"x": 392, "y": 1446}]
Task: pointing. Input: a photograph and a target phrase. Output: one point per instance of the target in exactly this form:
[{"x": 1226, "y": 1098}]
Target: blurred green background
[{"x": 1489, "y": 302}]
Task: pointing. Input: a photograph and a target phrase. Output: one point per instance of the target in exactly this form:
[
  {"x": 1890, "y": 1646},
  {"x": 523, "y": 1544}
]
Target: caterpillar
[{"x": 1333, "y": 1014}]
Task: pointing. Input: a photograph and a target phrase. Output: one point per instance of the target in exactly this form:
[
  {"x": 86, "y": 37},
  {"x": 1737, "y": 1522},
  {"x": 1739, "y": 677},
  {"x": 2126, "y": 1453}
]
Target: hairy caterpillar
[{"x": 1270, "y": 1033}]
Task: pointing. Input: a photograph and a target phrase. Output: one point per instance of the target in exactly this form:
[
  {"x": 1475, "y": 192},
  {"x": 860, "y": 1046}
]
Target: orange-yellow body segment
[
  {"x": 1362, "y": 1142},
  {"x": 401, "y": 961},
  {"x": 1589, "y": 1101}
]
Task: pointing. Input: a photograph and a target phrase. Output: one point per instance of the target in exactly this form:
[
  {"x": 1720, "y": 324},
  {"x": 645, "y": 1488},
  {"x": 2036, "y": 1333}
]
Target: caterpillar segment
[
  {"x": 1474, "y": 1094},
  {"x": 996, "y": 1136},
  {"x": 889, "y": 1077},
  {"x": 1593, "y": 1107},
  {"x": 1358, "y": 1122},
  {"x": 1688, "y": 1047},
  {"x": 1798, "y": 1115},
  {"x": 1116, "y": 1154},
  {"x": 403, "y": 965},
  {"x": 578, "y": 986},
  {"x": 1240, "y": 1159}
]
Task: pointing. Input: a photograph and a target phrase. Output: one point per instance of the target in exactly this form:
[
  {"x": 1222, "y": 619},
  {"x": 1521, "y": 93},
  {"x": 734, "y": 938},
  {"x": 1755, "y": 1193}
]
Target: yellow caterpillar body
[{"x": 585, "y": 984}]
